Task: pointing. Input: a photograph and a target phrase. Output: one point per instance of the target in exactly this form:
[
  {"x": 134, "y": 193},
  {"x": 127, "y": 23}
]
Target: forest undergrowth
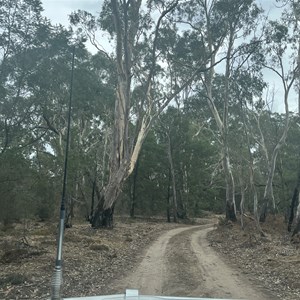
[{"x": 94, "y": 259}]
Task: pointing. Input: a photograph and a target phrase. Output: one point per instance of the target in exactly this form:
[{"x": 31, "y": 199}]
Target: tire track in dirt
[
  {"x": 220, "y": 280},
  {"x": 150, "y": 275},
  {"x": 182, "y": 267},
  {"x": 181, "y": 263}
]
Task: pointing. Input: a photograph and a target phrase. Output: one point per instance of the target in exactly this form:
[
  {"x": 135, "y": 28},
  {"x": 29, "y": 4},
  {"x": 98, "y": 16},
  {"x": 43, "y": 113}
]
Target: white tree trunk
[
  {"x": 268, "y": 192},
  {"x": 174, "y": 194}
]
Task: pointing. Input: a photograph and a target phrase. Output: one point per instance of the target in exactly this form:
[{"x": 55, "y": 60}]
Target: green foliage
[
  {"x": 35, "y": 65},
  {"x": 16, "y": 184},
  {"x": 192, "y": 156},
  {"x": 278, "y": 32},
  {"x": 25, "y": 193}
]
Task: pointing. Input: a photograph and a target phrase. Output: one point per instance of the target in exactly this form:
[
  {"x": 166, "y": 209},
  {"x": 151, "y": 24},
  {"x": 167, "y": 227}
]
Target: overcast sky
[{"x": 59, "y": 10}]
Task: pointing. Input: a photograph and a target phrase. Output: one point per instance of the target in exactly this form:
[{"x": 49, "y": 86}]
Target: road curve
[{"x": 181, "y": 263}]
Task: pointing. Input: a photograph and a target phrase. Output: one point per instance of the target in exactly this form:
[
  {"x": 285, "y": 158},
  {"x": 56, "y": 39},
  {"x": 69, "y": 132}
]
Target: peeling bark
[{"x": 124, "y": 155}]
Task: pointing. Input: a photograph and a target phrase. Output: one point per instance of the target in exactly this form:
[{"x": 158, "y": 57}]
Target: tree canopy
[{"x": 175, "y": 121}]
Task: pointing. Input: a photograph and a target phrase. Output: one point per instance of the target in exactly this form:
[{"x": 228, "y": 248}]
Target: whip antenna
[{"x": 57, "y": 279}]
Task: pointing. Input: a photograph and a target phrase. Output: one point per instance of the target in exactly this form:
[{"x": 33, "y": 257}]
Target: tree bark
[
  {"x": 242, "y": 203},
  {"x": 125, "y": 150},
  {"x": 295, "y": 197},
  {"x": 268, "y": 193},
  {"x": 230, "y": 189},
  {"x": 103, "y": 218},
  {"x": 251, "y": 169},
  {"x": 133, "y": 190},
  {"x": 294, "y": 201},
  {"x": 222, "y": 125},
  {"x": 69, "y": 212},
  {"x": 297, "y": 227},
  {"x": 126, "y": 30},
  {"x": 168, "y": 198},
  {"x": 174, "y": 193},
  {"x": 103, "y": 213},
  {"x": 93, "y": 200}
]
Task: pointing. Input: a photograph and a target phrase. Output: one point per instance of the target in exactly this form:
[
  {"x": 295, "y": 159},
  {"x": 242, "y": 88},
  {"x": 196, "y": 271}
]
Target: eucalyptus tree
[
  {"x": 294, "y": 9},
  {"x": 185, "y": 172},
  {"x": 23, "y": 31},
  {"x": 281, "y": 49},
  {"x": 216, "y": 27},
  {"x": 20, "y": 31},
  {"x": 35, "y": 69},
  {"x": 31, "y": 73},
  {"x": 291, "y": 166},
  {"x": 143, "y": 87},
  {"x": 171, "y": 134},
  {"x": 91, "y": 112},
  {"x": 247, "y": 87},
  {"x": 20, "y": 20}
]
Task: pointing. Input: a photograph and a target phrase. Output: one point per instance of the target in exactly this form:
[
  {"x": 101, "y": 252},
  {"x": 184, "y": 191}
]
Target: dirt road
[{"x": 181, "y": 263}]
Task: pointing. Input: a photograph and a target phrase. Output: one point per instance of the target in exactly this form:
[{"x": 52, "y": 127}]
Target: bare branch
[
  {"x": 156, "y": 33},
  {"x": 50, "y": 126}
]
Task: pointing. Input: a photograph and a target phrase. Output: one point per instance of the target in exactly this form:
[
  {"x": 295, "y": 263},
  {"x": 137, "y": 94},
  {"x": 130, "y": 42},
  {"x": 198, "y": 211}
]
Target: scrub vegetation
[{"x": 176, "y": 122}]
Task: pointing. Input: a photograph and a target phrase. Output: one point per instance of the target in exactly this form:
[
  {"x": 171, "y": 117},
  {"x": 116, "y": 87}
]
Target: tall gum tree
[
  {"x": 140, "y": 94},
  {"x": 219, "y": 25},
  {"x": 295, "y": 8},
  {"x": 21, "y": 22},
  {"x": 280, "y": 42}
]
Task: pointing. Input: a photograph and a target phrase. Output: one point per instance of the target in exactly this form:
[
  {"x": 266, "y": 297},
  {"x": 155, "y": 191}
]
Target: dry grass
[{"x": 92, "y": 258}]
